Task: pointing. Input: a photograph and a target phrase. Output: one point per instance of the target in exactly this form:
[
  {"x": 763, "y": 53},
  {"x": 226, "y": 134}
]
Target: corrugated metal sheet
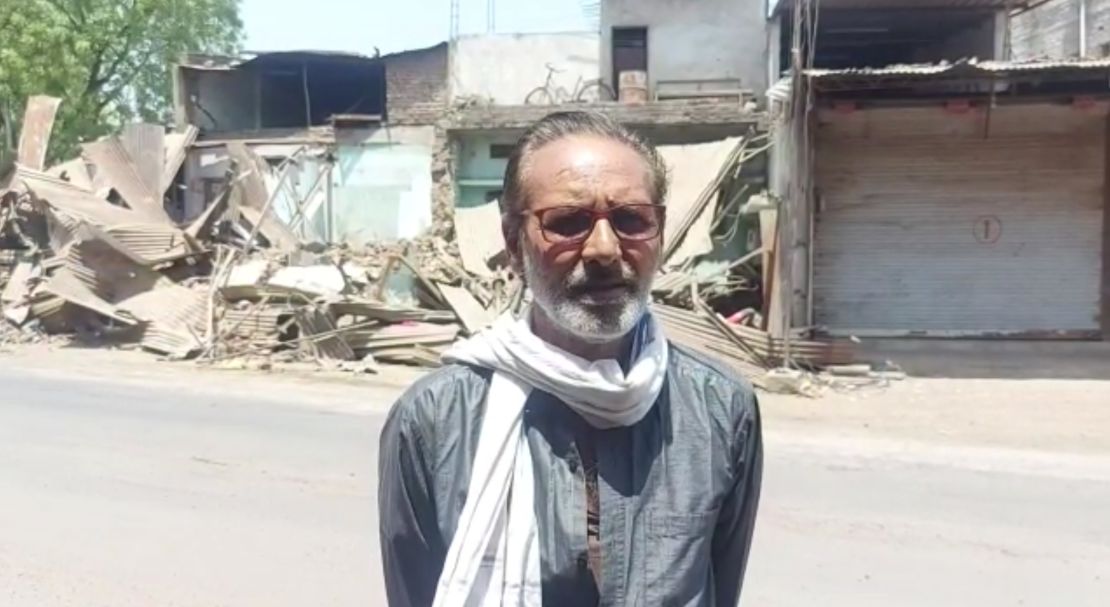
[
  {"x": 175, "y": 317},
  {"x": 927, "y": 224},
  {"x": 114, "y": 168},
  {"x": 966, "y": 68},
  {"x": 145, "y": 144},
  {"x": 152, "y": 243},
  {"x": 775, "y": 6}
]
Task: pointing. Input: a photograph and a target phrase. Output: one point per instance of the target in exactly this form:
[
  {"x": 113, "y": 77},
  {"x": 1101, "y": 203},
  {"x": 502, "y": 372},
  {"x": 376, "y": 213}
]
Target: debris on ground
[{"x": 89, "y": 251}]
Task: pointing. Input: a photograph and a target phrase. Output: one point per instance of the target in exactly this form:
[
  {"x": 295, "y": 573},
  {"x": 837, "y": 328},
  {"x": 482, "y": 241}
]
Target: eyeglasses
[{"x": 573, "y": 225}]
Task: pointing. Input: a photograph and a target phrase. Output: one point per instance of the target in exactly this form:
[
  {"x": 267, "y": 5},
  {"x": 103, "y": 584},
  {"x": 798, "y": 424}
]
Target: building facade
[{"x": 353, "y": 142}]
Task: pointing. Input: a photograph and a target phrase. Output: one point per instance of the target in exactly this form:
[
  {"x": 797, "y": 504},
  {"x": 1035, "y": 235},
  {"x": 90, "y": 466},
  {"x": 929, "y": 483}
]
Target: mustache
[{"x": 589, "y": 276}]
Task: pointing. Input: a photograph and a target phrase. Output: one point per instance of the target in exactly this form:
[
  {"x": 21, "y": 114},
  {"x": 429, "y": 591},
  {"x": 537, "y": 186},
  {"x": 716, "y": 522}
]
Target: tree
[{"x": 109, "y": 60}]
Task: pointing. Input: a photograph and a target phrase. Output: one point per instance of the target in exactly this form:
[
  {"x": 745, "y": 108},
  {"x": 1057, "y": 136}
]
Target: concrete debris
[
  {"x": 93, "y": 249},
  {"x": 89, "y": 250}
]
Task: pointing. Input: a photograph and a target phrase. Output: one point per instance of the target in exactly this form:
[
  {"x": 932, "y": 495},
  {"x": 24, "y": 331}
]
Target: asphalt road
[{"x": 192, "y": 492}]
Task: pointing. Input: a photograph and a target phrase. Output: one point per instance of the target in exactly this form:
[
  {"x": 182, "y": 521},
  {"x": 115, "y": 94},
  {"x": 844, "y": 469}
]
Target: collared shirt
[{"x": 677, "y": 491}]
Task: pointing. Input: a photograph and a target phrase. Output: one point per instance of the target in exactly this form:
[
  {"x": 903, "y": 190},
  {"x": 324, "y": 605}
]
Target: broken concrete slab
[{"x": 256, "y": 278}]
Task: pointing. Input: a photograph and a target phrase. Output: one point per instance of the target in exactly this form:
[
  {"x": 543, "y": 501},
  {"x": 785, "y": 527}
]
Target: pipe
[{"x": 1082, "y": 29}]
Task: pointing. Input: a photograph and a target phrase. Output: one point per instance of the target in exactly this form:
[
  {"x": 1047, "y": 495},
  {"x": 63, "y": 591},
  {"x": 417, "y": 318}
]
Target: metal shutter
[{"x": 938, "y": 223}]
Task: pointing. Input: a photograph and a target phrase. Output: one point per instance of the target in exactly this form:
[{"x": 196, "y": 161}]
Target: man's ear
[{"x": 510, "y": 231}]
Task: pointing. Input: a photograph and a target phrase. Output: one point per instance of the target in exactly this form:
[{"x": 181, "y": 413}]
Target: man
[{"x": 573, "y": 457}]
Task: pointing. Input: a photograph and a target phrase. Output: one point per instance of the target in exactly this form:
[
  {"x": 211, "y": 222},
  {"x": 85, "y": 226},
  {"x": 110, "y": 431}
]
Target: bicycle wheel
[
  {"x": 595, "y": 91},
  {"x": 539, "y": 96}
]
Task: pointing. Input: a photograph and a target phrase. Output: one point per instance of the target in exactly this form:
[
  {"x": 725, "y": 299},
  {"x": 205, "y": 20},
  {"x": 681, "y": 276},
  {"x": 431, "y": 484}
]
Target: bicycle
[{"x": 585, "y": 91}]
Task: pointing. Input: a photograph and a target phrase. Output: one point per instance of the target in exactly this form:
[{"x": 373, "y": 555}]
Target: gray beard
[{"x": 589, "y": 322}]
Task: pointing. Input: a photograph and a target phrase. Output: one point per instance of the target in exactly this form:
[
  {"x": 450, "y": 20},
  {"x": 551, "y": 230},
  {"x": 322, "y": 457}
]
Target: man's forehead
[{"x": 582, "y": 162}]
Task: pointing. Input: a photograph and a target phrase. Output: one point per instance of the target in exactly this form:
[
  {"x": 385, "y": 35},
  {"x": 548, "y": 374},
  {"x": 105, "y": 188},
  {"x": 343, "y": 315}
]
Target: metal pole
[
  {"x": 307, "y": 101},
  {"x": 1082, "y": 29}
]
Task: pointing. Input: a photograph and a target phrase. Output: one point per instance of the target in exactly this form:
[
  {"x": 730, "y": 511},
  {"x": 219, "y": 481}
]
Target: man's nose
[{"x": 602, "y": 245}]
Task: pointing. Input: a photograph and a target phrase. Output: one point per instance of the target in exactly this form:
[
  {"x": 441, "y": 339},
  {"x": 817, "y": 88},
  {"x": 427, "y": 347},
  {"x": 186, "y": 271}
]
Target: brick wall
[
  {"x": 677, "y": 112},
  {"x": 416, "y": 85},
  {"x": 1051, "y": 31}
]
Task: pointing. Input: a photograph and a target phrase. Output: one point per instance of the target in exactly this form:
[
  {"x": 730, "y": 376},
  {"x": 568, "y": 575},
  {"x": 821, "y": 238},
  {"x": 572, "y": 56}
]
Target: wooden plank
[
  {"x": 473, "y": 316},
  {"x": 38, "y": 124}
]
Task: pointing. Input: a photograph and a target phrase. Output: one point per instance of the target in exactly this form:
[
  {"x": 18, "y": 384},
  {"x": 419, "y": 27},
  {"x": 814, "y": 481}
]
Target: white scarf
[{"x": 494, "y": 558}]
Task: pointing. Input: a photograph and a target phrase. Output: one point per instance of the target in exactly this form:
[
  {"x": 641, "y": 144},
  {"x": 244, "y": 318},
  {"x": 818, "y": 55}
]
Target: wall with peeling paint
[{"x": 381, "y": 192}]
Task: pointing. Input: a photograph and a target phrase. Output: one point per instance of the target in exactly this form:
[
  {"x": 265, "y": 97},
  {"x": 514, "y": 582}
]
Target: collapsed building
[{"x": 343, "y": 209}]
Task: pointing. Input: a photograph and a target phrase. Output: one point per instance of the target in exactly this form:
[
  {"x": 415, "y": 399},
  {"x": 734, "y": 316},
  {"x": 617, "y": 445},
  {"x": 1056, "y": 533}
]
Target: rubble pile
[
  {"x": 80, "y": 265},
  {"x": 87, "y": 250}
]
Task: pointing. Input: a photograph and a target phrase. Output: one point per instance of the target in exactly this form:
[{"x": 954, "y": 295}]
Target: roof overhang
[
  {"x": 776, "y": 6},
  {"x": 965, "y": 71},
  {"x": 227, "y": 63}
]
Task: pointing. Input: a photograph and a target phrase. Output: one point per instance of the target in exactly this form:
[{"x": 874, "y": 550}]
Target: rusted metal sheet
[
  {"x": 114, "y": 169},
  {"x": 152, "y": 243},
  {"x": 177, "y": 146},
  {"x": 145, "y": 145},
  {"x": 65, "y": 285},
  {"x": 174, "y": 318},
  {"x": 74, "y": 171},
  {"x": 38, "y": 124},
  {"x": 947, "y": 224},
  {"x": 319, "y": 331}
]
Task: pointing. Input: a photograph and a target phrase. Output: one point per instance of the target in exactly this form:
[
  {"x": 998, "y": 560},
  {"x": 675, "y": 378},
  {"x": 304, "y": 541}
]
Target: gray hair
[{"x": 558, "y": 125}]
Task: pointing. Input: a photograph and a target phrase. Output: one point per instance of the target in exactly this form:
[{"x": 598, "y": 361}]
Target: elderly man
[{"x": 572, "y": 456}]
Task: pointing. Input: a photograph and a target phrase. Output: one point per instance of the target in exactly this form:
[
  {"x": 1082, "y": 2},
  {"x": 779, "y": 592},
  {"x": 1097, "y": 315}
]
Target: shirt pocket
[{"x": 677, "y": 558}]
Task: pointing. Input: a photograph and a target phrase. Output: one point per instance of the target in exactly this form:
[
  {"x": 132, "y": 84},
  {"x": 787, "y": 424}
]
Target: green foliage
[{"x": 109, "y": 60}]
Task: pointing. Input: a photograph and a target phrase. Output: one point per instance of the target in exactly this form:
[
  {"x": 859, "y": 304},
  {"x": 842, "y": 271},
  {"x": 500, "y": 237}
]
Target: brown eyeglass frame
[{"x": 660, "y": 209}]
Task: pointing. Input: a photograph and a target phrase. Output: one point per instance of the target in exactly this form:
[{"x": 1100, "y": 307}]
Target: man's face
[{"x": 599, "y": 288}]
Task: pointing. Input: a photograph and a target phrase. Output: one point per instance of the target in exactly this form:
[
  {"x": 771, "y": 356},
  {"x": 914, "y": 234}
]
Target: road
[{"x": 207, "y": 489}]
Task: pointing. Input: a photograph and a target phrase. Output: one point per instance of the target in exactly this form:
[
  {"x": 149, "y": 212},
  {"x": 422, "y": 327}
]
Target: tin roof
[
  {"x": 776, "y": 6},
  {"x": 968, "y": 69}
]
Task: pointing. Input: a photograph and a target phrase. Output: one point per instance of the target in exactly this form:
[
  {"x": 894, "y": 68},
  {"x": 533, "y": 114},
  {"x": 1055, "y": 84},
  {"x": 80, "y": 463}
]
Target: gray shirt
[{"x": 677, "y": 491}]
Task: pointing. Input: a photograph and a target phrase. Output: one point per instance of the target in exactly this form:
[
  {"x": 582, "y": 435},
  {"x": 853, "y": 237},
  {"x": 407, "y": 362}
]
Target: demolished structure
[{"x": 362, "y": 225}]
